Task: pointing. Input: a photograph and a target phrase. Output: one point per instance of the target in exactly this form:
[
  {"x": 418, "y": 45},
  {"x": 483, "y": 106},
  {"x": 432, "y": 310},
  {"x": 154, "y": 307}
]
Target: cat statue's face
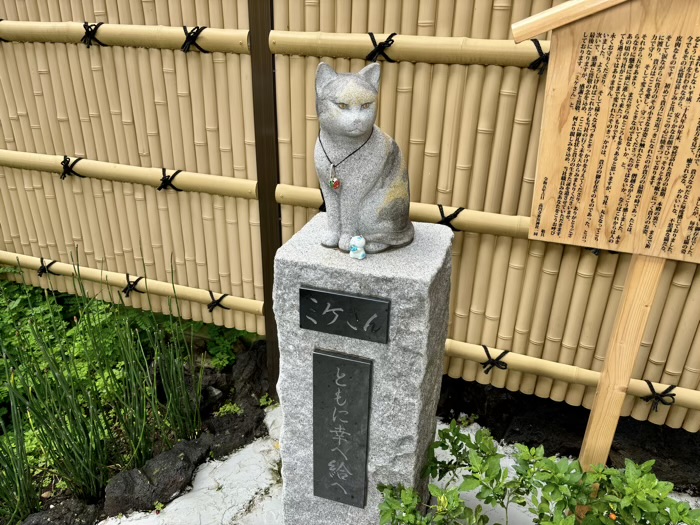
[{"x": 346, "y": 103}]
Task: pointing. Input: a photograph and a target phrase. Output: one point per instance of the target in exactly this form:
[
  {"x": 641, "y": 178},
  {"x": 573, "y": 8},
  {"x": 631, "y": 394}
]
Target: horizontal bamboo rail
[
  {"x": 407, "y": 48},
  {"x": 186, "y": 181},
  {"x": 467, "y": 220},
  {"x": 156, "y": 37},
  {"x": 684, "y": 397},
  {"x": 559, "y": 16},
  {"x": 150, "y": 286}
]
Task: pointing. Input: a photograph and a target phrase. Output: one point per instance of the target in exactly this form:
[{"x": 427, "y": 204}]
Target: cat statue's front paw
[
  {"x": 376, "y": 247},
  {"x": 344, "y": 242},
  {"x": 331, "y": 240}
]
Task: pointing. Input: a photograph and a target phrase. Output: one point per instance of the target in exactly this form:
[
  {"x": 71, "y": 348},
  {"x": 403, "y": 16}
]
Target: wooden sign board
[{"x": 620, "y": 144}]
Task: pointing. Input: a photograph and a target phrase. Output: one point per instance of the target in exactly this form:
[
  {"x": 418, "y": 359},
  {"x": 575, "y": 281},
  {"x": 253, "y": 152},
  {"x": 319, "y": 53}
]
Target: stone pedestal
[{"x": 405, "y": 370}]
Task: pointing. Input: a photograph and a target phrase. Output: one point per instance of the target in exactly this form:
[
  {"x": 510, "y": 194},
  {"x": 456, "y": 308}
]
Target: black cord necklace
[{"x": 333, "y": 181}]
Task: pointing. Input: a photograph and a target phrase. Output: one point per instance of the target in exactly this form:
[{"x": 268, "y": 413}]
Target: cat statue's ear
[
  {"x": 371, "y": 74},
  {"x": 324, "y": 74}
]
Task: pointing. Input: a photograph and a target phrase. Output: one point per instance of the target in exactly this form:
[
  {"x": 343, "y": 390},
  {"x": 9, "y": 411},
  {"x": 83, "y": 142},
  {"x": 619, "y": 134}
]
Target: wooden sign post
[{"x": 619, "y": 154}]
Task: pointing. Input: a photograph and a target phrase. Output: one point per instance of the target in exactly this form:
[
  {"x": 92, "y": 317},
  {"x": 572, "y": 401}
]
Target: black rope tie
[
  {"x": 447, "y": 220},
  {"x": 191, "y": 38},
  {"x": 216, "y": 302},
  {"x": 380, "y": 48},
  {"x": 131, "y": 286},
  {"x": 68, "y": 167},
  {"x": 167, "y": 181},
  {"x": 491, "y": 362},
  {"x": 665, "y": 397},
  {"x": 90, "y": 36},
  {"x": 541, "y": 62},
  {"x": 45, "y": 268}
]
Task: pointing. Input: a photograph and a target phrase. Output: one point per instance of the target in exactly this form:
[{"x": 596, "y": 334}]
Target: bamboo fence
[{"x": 460, "y": 102}]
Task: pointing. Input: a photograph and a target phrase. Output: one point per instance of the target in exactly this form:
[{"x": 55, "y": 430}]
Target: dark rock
[
  {"x": 67, "y": 512},
  {"x": 250, "y": 373},
  {"x": 161, "y": 479}
]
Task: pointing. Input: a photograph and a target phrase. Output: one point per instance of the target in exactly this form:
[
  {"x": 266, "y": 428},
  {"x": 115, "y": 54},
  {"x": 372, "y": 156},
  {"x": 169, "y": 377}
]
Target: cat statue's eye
[
  {"x": 342, "y": 105},
  {"x": 366, "y": 105}
]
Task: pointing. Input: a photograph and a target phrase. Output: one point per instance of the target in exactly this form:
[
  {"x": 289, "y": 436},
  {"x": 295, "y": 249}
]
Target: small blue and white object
[{"x": 357, "y": 247}]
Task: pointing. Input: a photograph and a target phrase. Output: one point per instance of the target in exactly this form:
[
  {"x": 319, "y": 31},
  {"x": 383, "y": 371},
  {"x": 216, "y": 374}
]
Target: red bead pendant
[{"x": 334, "y": 183}]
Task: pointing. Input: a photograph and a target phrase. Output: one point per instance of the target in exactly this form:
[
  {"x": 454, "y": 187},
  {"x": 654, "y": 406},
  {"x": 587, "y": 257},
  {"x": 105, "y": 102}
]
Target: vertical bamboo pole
[
  {"x": 592, "y": 321},
  {"x": 297, "y": 65},
  {"x": 311, "y": 24},
  {"x": 510, "y": 255},
  {"x": 574, "y": 324},
  {"x": 201, "y": 76},
  {"x": 606, "y": 328},
  {"x": 465, "y": 245},
  {"x": 145, "y": 120},
  {"x": 388, "y": 95},
  {"x": 681, "y": 347},
  {"x": 227, "y": 234},
  {"x": 225, "y": 92},
  {"x": 436, "y": 108},
  {"x": 343, "y": 24},
  {"x": 29, "y": 78},
  {"x": 358, "y": 24},
  {"x": 70, "y": 132},
  {"x": 193, "y": 107},
  {"x": 640, "y": 287},
  {"x": 162, "y": 232},
  {"x": 548, "y": 343},
  {"x": 252, "y": 165},
  {"x": 650, "y": 331},
  {"x": 450, "y": 144},
  {"x": 185, "y": 261},
  {"x": 240, "y": 168},
  {"x": 457, "y": 75},
  {"x": 419, "y": 109},
  {"x": 284, "y": 109},
  {"x": 675, "y": 331},
  {"x": 486, "y": 130},
  {"x": 397, "y": 81},
  {"x": 34, "y": 70},
  {"x": 690, "y": 378},
  {"x": 214, "y": 230},
  {"x": 20, "y": 181},
  {"x": 542, "y": 311},
  {"x": 116, "y": 143},
  {"x": 526, "y": 308}
]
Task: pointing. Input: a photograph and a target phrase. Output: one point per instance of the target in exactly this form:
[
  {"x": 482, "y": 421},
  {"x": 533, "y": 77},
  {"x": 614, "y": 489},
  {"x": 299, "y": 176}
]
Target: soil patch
[{"x": 518, "y": 418}]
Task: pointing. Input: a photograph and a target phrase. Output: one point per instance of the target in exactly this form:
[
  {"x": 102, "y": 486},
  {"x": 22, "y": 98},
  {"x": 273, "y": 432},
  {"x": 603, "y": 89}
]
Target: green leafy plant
[
  {"x": 635, "y": 495},
  {"x": 181, "y": 383},
  {"x": 229, "y": 408},
  {"x": 18, "y": 495},
  {"x": 267, "y": 401},
  {"x": 64, "y": 411},
  {"x": 551, "y": 488}
]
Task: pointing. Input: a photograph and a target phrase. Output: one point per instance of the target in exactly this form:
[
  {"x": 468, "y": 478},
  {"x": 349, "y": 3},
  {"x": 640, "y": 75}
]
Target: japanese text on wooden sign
[{"x": 620, "y": 145}]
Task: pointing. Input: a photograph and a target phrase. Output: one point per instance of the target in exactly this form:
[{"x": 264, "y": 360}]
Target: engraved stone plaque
[
  {"x": 342, "y": 386},
  {"x": 344, "y": 314}
]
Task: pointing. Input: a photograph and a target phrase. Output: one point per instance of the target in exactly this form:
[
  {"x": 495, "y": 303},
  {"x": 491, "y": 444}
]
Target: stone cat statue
[{"x": 361, "y": 170}]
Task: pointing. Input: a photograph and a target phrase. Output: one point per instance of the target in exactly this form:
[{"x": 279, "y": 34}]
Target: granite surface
[{"x": 406, "y": 371}]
